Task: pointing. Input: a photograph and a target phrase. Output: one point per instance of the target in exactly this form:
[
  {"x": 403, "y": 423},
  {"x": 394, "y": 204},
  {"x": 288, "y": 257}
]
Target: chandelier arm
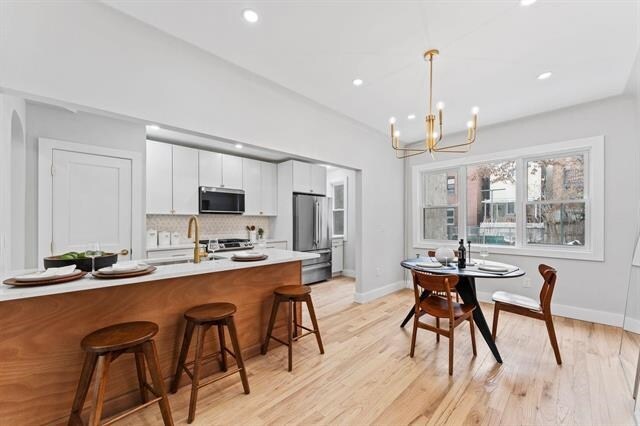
[
  {"x": 456, "y": 146},
  {"x": 410, "y": 155}
]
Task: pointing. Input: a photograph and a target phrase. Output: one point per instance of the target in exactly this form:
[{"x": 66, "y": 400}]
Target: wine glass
[
  {"x": 484, "y": 253},
  {"x": 94, "y": 252}
]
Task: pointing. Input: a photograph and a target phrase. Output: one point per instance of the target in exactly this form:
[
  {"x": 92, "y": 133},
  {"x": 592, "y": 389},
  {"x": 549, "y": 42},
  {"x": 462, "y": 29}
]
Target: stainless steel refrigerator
[{"x": 312, "y": 233}]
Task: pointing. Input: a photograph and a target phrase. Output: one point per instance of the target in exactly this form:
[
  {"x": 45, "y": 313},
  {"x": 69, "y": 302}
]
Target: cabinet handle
[
  {"x": 312, "y": 190},
  {"x": 221, "y": 186},
  {"x": 124, "y": 252}
]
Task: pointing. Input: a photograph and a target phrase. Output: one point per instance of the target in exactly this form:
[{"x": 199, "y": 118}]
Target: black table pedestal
[{"x": 467, "y": 290}]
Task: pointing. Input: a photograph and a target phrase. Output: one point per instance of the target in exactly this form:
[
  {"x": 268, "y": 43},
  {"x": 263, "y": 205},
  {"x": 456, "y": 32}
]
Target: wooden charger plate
[
  {"x": 76, "y": 276},
  {"x": 100, "y": 275},
  {"x": 249, "y": 259}
]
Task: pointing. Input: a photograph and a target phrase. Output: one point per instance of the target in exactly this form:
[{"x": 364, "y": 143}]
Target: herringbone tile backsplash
[{"x": 211, "y": 225}]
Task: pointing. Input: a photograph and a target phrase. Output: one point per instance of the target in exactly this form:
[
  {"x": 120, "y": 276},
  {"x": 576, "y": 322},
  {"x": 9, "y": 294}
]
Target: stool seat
[
  {"x": 210, "y": 312},
  {"x": 119, "y": 336},
  {"x": 292, "y": 290}
]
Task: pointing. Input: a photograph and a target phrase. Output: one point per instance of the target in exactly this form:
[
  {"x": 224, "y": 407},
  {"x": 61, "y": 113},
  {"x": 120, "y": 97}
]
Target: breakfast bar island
[{"x": 42, "y": 326}]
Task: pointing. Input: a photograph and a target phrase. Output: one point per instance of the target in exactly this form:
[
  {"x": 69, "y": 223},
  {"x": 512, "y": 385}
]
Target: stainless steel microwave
[{"x": 221, "y": 200}]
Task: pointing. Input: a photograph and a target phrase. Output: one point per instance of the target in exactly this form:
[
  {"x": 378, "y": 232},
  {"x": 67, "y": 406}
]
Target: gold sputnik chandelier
[{"x": 434, "y": 135}]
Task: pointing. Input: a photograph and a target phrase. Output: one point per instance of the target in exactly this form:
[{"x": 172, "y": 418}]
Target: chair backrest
[
  {"x": 546, "y": 292},
  {"x": 433, "y": 283},
  {"x": 432, "y": 253}
]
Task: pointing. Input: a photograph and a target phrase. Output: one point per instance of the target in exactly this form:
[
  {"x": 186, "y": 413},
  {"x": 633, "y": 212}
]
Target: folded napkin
[
  {"x": 125, "y": 266},
  {"x": 52, "y": 272}
]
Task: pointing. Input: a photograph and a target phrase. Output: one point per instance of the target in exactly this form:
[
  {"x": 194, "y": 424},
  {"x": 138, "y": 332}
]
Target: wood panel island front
[{"x": 40, "y": 354}]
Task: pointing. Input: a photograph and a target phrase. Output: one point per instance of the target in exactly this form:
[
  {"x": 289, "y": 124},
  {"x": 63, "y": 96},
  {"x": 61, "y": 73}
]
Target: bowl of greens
[{"x": 81, "y": 260}]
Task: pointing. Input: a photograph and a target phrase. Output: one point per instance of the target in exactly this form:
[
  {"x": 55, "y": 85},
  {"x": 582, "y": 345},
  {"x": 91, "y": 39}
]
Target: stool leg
[
  {"x": 151, "y": 355},
  {"x": 195, "y": 381},
  {"x": 186, "y": 342},
  {"x": 88, "y": 366},
  {"x": 236, "y": 350},
  {"x": 223, "y": 352},
  {"x": 142, "y": 376},
  {"x": 272, "y": 320},
  {"x": 295, "y": 318},
  {"x": 314, "y": 321},
  {"x": 99, "y": 387},
  {"x": 290, "y": 334}
]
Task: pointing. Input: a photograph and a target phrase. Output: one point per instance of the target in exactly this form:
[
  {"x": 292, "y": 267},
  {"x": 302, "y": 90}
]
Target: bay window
[{"x": 546, "y": 200}]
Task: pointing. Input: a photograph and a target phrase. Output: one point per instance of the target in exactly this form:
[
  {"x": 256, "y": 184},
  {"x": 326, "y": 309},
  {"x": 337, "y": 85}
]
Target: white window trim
[
  {"x": 594, "y": 248},
  {"x": 344, "y": 209}
]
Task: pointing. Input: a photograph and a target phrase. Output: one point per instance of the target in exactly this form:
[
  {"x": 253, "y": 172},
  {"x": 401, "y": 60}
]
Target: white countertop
[{"x": 163, "y": 272}]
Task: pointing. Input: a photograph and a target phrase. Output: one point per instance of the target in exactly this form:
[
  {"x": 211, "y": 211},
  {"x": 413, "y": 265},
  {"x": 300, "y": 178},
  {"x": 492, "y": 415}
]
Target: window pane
[
  {"x": 440, "y": 188},
  {"x": 338, "y": 222},
  {"x": 338, "y": 196},
  {"x": 560, "y": 178},
  {"x": 491, "y": 197},
  {"x": 440, "y": 223},
  {"x": 558, "y": 224}
]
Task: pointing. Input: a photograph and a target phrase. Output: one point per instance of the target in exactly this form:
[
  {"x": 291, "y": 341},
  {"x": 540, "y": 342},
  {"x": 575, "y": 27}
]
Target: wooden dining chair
[
  {"x": 440, "y": 307},
  {"x": 531, "y": 308},
  {"x": 432, "y": 253}
]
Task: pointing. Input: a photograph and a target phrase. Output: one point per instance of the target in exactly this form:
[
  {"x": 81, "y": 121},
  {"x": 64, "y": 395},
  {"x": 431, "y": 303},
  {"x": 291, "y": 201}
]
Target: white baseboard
[
  {"x": 574, "y": 312},
  {"x": 349, "y": 273},
  {"x": 633, "y": 325},
  {"x": 378, "y": 292}
]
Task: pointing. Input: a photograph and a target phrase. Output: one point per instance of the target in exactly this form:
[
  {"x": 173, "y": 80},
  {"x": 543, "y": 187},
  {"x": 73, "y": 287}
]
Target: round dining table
[{"x": 466, "y": 288}]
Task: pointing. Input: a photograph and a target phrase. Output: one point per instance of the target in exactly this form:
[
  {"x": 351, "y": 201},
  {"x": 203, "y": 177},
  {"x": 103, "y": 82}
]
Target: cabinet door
[
  {"x": 301, "y": 177},
  {"x": 159, "y": 178},
  {"x": 210, "y": 169},
  {"x": 231, "y": 172},
  {"x": 269, "y": 184},
  {"x": 185, "y": 180},
  {"x": 337, "y": 253},
  {"x": 251, "y": 172},
  {"x": 318, "y": 180}
]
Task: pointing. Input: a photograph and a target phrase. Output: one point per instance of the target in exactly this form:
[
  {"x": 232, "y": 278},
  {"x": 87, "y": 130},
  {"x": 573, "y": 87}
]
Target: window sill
[{"x": 545, "y": 252}]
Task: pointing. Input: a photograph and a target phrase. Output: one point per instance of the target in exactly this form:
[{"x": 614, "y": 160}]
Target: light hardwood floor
[{"x": 367, "y": 377}]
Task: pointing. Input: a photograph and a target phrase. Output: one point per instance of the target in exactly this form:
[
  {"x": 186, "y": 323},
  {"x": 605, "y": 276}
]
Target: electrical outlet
[{"x": 526, "y": 282}]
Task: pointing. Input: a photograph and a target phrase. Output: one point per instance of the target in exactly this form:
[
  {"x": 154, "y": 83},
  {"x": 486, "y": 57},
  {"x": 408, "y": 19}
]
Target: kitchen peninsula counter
[{"x": 40, "y": 354}]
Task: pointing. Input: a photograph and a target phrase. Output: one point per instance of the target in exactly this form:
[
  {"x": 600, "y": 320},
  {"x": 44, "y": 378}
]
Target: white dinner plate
[
  {"x": 50, "y": 274},
  {"x": 123, "y": 269},
  {"x": 493, "y": 268},
  {"x": 248, "y": 254},
  {"x": 432, "y": 265}
]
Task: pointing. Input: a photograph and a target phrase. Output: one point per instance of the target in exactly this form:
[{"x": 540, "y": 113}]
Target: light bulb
[
  {"x": 440, "y": 106},
  {"x": 475, "y": 110},
  {"x": 411, "y": 117},
  {"x": 396, "y": 133},
  {"x": 392, "y": 120},
  {"x": 435, "y": 135},
  {"x": 358, "y": 82},
  {"x": 469, "y": 124},
  {"x": 250, "y": 16},
  {"x": 238, "y": 146}
]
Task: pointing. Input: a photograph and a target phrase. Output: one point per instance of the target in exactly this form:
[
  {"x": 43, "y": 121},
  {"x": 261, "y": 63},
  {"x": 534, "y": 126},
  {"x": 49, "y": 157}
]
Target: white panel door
[
  {"x": 159, "y": 178},
  {"x": 185, "y": 180},
  {"x": 301, "y": 177},
  {"x": 269, "y": 188},
  {"x": 231, "y": 172},
  {"x": 210, "y": 169},
  {"x": 251, "y": 176},
  {"x": 90, "y": 202},
  {"x": 318, "y": 180}
]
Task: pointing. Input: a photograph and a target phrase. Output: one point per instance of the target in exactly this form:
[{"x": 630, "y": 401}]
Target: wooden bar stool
[
  {"x": 102, "y": 347},
  {"x": 200, "y": 319},
  {"x": 292, "y": 294}
]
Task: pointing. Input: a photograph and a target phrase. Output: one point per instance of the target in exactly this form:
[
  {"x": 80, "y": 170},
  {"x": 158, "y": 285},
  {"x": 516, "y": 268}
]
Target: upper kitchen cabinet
[
  {"x": 309, "y": 178},
  {"x": 259, "y": 181},
  {"x": 172, "y": 179},
  {"x": 220, "y": 170}
]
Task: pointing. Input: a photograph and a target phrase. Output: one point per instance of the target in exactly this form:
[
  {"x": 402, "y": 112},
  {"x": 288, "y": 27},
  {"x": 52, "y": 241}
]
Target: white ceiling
[{"x": 491, "y": 52}]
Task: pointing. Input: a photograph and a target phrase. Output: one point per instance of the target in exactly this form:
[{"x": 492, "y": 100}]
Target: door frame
[{"x": 45, "y": 189}]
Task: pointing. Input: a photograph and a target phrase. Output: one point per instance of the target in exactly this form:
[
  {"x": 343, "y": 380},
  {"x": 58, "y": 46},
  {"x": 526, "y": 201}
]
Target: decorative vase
[
  {"x": 252, "y": 236},
  {"x": 444, "y": 254}
]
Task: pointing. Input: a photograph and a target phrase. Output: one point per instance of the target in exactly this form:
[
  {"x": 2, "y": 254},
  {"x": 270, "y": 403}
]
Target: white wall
[
  {"x": 586, "y": 290},
  {"x": 88, "y": 54},
  {"x": 44, "y": 121},
  {"x": 338, "y": 174}
]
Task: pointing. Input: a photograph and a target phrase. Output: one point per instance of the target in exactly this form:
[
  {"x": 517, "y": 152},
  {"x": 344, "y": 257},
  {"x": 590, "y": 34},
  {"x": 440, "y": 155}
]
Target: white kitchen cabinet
[
  {"x": 318, "y": 180},
  {"x": 251, "y": 176},
  {"x": 269, "y": 181},
  {"x": 185, "y": 180},
  {"x": 337, "y": 256},
  {"x": 309, "y": 178},
  {"x": 220, "y": 170},
  {"x": 210, "y": 169},
  {"x": 159, "y": 178},
  {"x": 260, "y": 187},
  {"x": 282, "y": 245}
]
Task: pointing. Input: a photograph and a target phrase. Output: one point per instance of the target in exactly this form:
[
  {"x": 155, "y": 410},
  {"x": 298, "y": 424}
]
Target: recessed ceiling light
[
  {"x": 544, "y": 75},
  {"x": 527, "y": 2},
  {"x": 238, "y": 146},
  {"x": 250, "y": 16},
  {"x": 411, "y": 116},
  {"x": 153, "y": 127},
  {"x": 357, "y": 82}
]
